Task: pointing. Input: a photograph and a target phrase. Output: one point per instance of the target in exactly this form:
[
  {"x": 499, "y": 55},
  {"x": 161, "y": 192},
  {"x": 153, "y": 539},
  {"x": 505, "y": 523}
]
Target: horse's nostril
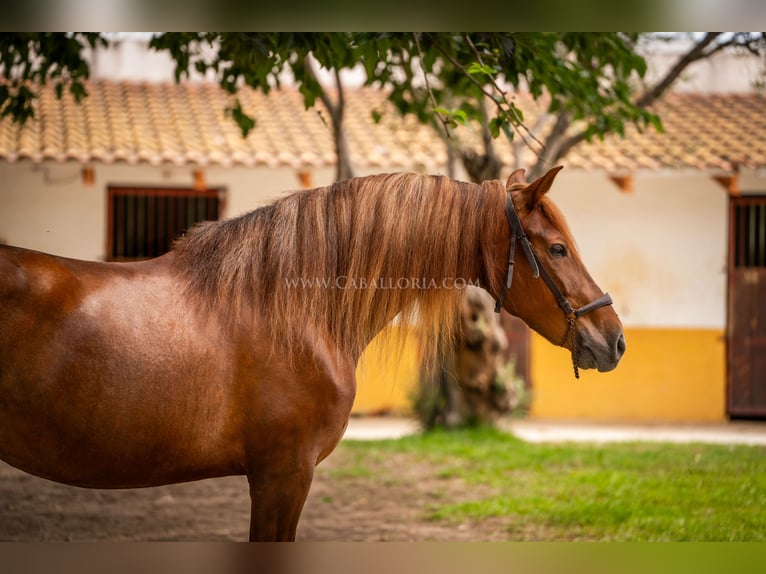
[{"x": 621, "y": 345}]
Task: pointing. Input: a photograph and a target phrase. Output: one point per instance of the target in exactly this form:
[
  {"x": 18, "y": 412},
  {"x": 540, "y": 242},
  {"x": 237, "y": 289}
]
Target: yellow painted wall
[
  {"x": 387, "y": 374},
  {"x": 666, "y": 375}
]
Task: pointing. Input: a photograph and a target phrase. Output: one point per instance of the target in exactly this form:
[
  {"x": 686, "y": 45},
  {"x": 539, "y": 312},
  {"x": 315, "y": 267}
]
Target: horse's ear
[
  {"x": 516, "y": 177},
  {"x": 541, "y": 185}
]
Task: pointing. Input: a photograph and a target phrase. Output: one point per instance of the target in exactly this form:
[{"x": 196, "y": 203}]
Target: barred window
[
  {"x": 144, "y": 222},
  {"x": 748, "y": 227}
]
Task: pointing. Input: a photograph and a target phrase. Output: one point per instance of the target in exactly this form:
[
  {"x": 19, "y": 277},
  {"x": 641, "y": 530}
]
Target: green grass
[{"x": 625, "y": 492}]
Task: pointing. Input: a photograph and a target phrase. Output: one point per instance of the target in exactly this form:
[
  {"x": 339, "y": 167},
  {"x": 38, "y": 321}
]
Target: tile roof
[{"x": 186, "y": 124}]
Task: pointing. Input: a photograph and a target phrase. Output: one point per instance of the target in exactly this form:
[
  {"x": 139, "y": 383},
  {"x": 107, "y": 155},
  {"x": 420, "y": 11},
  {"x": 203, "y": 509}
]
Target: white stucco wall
[
  {"x": 46, "y": 207},
  {"x": 732, "y": 71},
  {"x": 660, "y": 251}
]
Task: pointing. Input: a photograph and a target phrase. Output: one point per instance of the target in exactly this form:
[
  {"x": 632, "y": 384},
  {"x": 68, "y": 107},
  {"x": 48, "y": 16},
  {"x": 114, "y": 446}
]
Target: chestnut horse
[{"x": 235, "y": 352}]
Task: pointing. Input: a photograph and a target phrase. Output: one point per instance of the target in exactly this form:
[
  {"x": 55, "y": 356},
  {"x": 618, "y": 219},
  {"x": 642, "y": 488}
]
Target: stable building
[{"x": 673, "y": 225}]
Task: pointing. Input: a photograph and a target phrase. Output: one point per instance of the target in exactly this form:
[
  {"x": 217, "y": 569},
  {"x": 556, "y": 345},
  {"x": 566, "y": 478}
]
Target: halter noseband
[{"x": 517, "y": 234}]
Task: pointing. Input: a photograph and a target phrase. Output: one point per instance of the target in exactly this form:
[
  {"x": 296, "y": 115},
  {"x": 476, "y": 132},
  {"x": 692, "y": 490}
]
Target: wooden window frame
[{"x": 157, "y": 237}]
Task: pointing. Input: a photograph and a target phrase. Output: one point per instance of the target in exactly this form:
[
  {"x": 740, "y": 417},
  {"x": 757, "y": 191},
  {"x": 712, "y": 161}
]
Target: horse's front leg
[{"x": 277, "y": 500}]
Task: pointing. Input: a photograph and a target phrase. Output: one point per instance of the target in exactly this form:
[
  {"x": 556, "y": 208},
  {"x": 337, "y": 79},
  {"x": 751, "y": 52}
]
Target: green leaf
[
  {"x": 310, "y": 92},
  {"x": 516, "y": 113},
  {"x": 494, "y": 126},
  {"x": 507, "y": 131},
  {"x": 244, "y": 121},
  {"x": 78, "y": 91},
  {"x": 657, "y": 123},
  {"x": 477, "y": 69},
  {"x": 459, "y": 116}
]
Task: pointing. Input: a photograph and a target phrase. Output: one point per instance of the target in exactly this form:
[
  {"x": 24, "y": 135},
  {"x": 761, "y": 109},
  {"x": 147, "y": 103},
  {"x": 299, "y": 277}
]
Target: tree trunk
[
  {"x": 343, "y": 170},
  {"x": 335, "y": 110},
  {"x": 470, "y": 383},
  {"x": 485, "y": 165}
]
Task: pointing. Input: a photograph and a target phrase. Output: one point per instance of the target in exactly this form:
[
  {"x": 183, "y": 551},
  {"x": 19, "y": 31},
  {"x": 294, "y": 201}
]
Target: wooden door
[{"x": 746, "y": 331}]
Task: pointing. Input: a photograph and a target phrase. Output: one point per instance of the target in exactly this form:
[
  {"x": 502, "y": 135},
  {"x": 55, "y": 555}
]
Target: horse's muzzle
[{"x": 602, "y": 355}]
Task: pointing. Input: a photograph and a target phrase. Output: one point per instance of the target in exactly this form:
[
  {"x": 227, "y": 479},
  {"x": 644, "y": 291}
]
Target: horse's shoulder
[{"x": 14, "y": 273}]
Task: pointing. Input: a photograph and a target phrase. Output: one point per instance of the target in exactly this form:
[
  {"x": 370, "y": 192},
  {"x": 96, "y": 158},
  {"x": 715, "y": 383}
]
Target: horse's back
[
  {"x": 13, "y": 278},
  {"x": 41, "y": 296},
  {"x": 35, "y": 290},
  {"x": 29, "y": 279},
  {"x": 17, "y": 269}
]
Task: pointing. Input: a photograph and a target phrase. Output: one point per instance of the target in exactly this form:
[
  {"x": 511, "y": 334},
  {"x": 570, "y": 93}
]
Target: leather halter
[{"x": 538, "y": 270}]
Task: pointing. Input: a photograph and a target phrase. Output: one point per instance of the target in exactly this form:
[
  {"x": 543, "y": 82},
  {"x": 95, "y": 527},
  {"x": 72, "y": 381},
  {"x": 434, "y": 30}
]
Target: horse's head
[{"x": 551, "y": 290}]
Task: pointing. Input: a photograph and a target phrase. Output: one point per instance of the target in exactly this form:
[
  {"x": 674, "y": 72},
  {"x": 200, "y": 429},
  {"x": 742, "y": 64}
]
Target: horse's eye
[{"x": 557, "y": 250}]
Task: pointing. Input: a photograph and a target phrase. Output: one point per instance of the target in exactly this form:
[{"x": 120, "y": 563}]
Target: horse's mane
[{"x": 294, "y": 264}]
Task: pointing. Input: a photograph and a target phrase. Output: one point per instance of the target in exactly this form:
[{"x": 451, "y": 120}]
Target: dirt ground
[{"x": 391, "y": 502}]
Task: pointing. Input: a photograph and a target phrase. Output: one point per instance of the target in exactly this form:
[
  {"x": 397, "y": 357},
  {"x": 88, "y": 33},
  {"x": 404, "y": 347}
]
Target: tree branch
[
  {"x": 328, "y": 103},
  {"x": 442, "y": 119},
  {"x": 341, "y": 105},
  {"x": 335, "y": 109},
  {"x": 510, "y": 113},
  {"x": 697, "y": 52},
  {"x": 481, "y": 167},
  {"x": 556, "y": 144},
  {"x": 700, "y": 51}
]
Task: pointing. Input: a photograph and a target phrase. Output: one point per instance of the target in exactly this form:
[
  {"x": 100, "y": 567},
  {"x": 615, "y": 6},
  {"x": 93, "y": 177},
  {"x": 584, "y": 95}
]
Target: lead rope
[{"x": 571, "y": 337}]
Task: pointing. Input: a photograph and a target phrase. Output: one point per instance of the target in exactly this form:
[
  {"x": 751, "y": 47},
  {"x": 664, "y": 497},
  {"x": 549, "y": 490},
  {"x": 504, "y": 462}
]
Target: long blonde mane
[{"x": 345, "y": 259}]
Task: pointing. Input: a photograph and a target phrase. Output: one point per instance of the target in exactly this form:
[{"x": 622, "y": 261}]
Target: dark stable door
[{"x": 746, "y": 335}]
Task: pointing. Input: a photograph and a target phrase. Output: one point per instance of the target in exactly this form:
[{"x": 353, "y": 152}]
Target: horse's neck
[{"x": 404, "y": 319}]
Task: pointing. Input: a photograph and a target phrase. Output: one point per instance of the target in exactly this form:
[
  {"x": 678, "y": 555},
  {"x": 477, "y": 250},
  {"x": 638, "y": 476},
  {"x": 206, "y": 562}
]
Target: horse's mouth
[
  {"x": 604, "y": 358},
  {"x": 586, "y": 359}
]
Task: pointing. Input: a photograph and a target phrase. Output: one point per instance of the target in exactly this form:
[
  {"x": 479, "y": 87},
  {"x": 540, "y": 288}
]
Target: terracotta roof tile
[{"x": 188, "y": 124}]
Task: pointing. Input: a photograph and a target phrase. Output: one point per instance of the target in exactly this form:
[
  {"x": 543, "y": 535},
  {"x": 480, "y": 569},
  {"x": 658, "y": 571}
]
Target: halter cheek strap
[
  {"x": 538, "y": 270},
  {"x": 517, "y": 232}
]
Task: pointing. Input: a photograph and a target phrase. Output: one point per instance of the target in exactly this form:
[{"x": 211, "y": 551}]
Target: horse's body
[
  {"x": 202, "y": 363},
  {"x": 111, "y": 379}
]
